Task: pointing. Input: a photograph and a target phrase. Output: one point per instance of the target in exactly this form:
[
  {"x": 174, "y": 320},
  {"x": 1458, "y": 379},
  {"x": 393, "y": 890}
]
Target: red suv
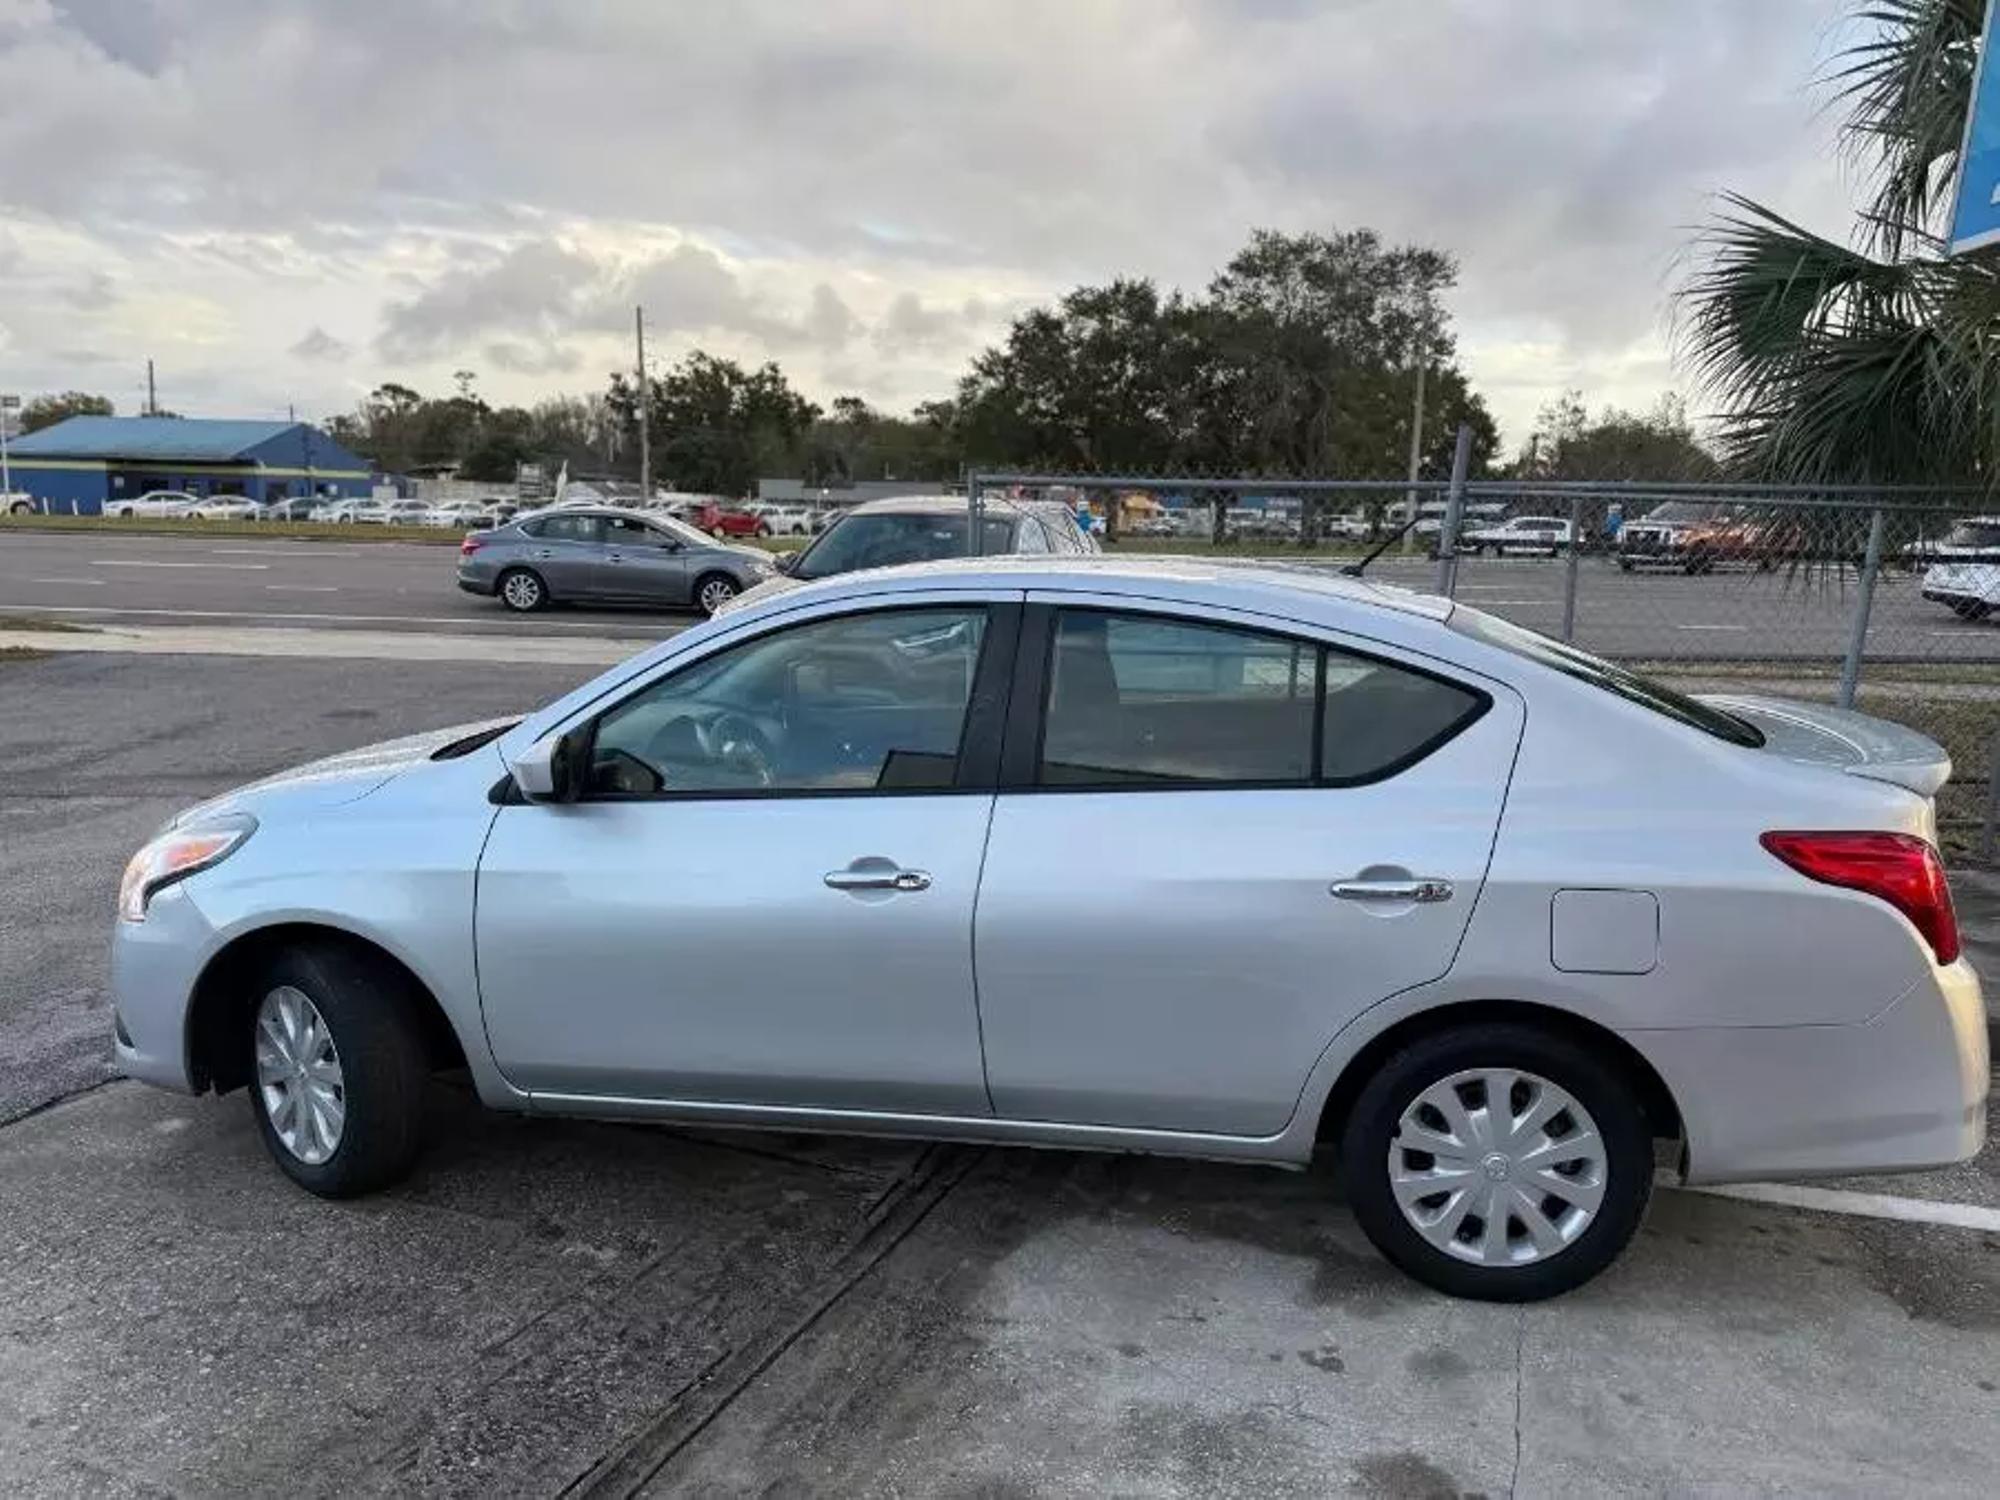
[{"x": 720, "y": 520}]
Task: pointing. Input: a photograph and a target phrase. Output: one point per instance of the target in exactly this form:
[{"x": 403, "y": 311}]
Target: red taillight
[
  {"x": 469, "y": 546},
  {"x": 1901, "y": 869}
]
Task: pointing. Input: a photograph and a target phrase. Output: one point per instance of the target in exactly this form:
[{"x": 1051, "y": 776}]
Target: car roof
[
  {"x": 938, "y": 505},
  {"x": 1276, "y": 588}
]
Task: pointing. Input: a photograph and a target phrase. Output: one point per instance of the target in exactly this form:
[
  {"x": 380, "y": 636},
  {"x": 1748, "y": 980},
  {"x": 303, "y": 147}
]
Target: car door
[
  {"x": 641, "y": 563},
  {"x": 565, "y": 549},
  {"x": 766, "y": 895},
  {"x": 1216, "y": 843}
]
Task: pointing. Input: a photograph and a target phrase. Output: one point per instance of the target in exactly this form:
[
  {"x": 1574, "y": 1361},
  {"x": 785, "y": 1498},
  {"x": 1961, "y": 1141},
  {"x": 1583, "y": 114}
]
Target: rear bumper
[{"x": 1901, "y": 1092}]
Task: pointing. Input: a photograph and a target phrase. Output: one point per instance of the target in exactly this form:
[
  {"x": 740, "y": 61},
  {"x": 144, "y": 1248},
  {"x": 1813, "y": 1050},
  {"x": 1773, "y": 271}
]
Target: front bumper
[
  {"x": 154, "y": 967},
  {"x": 1904, "y": 1091}
]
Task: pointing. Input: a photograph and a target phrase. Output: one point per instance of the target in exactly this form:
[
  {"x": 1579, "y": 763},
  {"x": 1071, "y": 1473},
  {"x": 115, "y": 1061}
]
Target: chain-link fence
[{"x": 1873, "y": 598}]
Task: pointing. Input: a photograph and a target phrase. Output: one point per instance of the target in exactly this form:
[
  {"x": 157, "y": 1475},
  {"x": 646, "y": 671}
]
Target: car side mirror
[
  {"x": 786, "y": 562},
  {"x": 551, "y": 769}
]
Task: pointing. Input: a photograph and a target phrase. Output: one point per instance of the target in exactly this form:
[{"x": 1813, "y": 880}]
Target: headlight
[{"x": 175, "y": 855}]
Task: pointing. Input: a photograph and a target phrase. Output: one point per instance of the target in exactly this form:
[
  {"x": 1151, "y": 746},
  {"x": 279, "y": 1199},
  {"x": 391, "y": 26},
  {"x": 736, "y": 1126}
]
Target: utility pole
[
  {"x": 645, "y": 410},
  {"x": 8, "y": 406},
  {"x": 152, "y": 398},
  {"x": 1416, "y": 454}
]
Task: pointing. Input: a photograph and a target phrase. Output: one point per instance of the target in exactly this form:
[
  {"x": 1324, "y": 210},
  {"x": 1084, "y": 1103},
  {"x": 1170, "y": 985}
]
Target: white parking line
[
  {"x": 1711, "y": 627},
  {"x": 301, "y": 588},
  {"x": 1861, "y": 1205},
  {"x": 95, "y": 583},
  {"x": 148, "y": 562}
]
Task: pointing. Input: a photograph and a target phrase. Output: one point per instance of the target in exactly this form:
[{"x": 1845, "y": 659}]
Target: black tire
[
  {"x": 1626, "y": 565},
  {"x": 763, "y": 529},
  {"x": 713, "y": 590},
  {"x": 521, "y": 590},
  {"x": 26, "y": 508},
  {"x": 371, "y": 1015},
  {"x": 1602, "y": 1089},
  {"x": 1970, "y": 609}
]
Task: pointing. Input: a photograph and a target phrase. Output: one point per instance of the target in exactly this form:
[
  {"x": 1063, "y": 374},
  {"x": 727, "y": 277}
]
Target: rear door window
[
  {"x": 564, "y": 528},
  {"x": 1153, "y": 701}
]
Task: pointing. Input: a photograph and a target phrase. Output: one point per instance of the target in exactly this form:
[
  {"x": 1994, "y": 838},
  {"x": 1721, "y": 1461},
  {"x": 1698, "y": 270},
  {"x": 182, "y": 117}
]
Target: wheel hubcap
[
  {"x": 523, "y": 591},
  {"x": 298, "y": 1075},
  {"x": 715, "y": 594},
  {"x": 1497, "y": 1167}
]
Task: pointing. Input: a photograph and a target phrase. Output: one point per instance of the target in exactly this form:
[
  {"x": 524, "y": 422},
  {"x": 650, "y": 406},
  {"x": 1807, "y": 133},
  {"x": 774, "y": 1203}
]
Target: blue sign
[{"x": 1975, "y": 221}]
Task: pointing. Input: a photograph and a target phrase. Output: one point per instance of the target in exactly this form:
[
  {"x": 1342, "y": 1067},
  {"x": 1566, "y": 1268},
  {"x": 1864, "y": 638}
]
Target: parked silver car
[
  {"x": 1188, "y": 857},
  {"x": 928, "y": 528},
  {"x": 602, "y": 555}
]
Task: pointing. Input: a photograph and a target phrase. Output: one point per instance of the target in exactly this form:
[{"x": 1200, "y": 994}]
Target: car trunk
[{"x": 1861, "y": 745}]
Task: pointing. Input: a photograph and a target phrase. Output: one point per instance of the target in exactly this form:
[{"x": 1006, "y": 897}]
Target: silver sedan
[{"x": 1191, "y": 858}]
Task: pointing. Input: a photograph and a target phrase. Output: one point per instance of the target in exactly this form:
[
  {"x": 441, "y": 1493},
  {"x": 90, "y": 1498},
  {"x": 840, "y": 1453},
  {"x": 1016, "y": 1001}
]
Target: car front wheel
[
  {"x": 1498, "y": 1161},
  {"x": 338, "y": 1069}
]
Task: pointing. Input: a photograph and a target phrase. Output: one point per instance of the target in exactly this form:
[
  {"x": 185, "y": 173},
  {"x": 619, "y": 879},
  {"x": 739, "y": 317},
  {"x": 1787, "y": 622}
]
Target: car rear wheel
[
  {"x": 1498, "y": 1161},
  {"x": 338, "y": 1072},
  {"x": 522, "y": 590},
  {"x": 713, "y": 590}
]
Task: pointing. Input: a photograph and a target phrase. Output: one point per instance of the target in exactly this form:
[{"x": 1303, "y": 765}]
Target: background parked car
[
  {"x": 225, "y": 508},
  {"x": 1541, "y": 535},
  {"x": 463, "y": 515},
  {"x": 605, "y": 555},
  {"x": 728, "y": 520},
  {"x": 928, "y": 528},
  {"x": 786, "y": 520},
  {"x": 154, "y": 504},
  {"x": 294, "y": 508},
  {"x": 392, "y": 513}
]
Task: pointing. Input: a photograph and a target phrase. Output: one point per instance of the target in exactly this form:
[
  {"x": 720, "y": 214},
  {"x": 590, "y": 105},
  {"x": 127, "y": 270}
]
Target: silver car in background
[
  {"x": 928, "y": 528},
  {"x": 1219, "y": 861},
  {"x": 597, "y": 554}
]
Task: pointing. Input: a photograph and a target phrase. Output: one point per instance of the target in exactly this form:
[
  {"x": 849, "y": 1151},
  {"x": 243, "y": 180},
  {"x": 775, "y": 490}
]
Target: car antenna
[{"x": 1355, "y": 569}]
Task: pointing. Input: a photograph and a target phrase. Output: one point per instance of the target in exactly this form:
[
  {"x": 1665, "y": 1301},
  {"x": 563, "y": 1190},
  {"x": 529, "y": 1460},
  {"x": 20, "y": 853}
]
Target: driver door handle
[
  {"x": 878, "y": 880},
  {"x": 1392, "y": 890}
]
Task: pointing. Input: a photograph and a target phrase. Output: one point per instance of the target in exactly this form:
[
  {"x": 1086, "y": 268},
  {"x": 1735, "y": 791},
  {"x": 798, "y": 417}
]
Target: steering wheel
[{"x": 738, "y": 746}]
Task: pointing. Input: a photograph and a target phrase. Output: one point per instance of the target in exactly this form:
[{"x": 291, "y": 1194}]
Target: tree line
[{"x": 1299, "y": 359}]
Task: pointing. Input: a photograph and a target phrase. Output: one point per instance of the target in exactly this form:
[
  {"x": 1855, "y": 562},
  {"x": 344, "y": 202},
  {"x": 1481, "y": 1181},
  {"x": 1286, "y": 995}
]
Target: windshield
[
  {"x": 883, "y": 541},
  {"x": 1609, "y": 676},
  {"x": 679, "y": 530}
]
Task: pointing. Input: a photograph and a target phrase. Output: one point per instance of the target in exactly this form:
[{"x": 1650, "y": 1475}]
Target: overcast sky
[{"x": 290, "y": 202}]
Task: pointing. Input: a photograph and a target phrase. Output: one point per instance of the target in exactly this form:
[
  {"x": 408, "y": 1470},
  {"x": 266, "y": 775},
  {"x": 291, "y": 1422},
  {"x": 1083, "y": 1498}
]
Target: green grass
[{"x": 42, "y": 622}]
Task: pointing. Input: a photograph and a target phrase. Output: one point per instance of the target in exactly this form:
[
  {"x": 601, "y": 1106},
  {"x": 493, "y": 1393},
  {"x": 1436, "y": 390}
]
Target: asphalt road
[
  {"x": 553, "y": 1306},
  {"x": 1655, "y": 615},
  {"x": 325, "y": 585}
]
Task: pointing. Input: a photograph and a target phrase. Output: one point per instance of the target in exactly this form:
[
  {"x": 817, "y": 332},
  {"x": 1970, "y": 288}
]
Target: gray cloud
[
  {"x": 529, "y": 359},
  {"x": 988, "y": 151},
  {"x": 93, "y": 294},
  {"x": 317, "y": 344}
]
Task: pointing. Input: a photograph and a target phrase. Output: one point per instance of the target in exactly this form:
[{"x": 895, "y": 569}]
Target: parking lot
[{"x": 551, "y": 1306}]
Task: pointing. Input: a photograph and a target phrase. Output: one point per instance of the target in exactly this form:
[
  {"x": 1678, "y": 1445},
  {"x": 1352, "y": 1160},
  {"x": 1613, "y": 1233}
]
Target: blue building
[{"x": 85, "y": 463}]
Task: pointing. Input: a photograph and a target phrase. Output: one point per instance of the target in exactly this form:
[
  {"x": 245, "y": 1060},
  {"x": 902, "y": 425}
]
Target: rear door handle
[
  {"x": 1392, "y": 890},
  {"x": 878, "y": 880}
]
